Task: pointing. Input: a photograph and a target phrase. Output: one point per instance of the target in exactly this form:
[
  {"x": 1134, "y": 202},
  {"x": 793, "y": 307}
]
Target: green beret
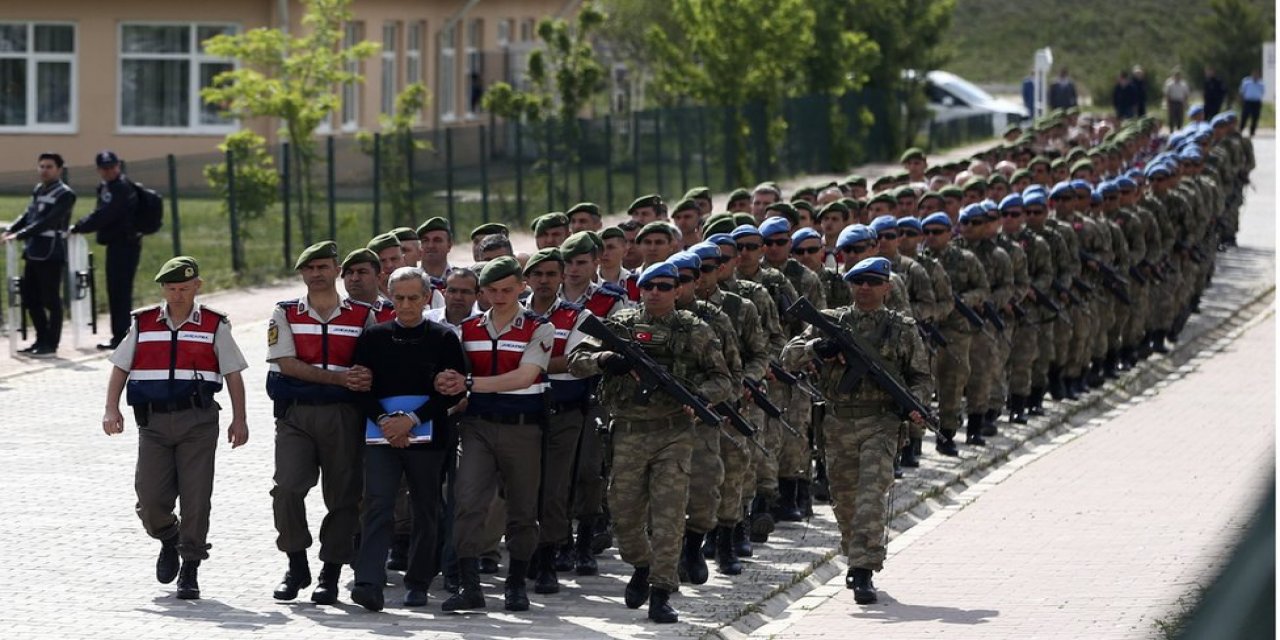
[
  {"x": 1013, "y": 128},
  {"x": 718, "y": 223},
  {"x": 686, "y": 205},
  {"x": 595, "y": 238},
  {"x": 326, "y": 249},
  {"x": 1082, "y": 164},
  {"x": 589, "y": 207},
  {"x": 657, "y": 226},
  {"x": 499, "y": 268},
  {"x": 951, "y": 191},
  {"x": 739, "y": 194},
  {"x": 578, "y": 244},
  {"x": 997, "y": 177},
  {"x": 1039, "y": 160},
  {"x": 179, "y": 269},
  {"x": 1057, "y": 162},
  {"x": 490, "y": 228},
  {"x": 698, "y": 193},
  {"x": 927, "y": 195},
  {"x": 804, "y": 204},
  {"x": 804, "y": 191},
  {"x": 837, "y": 207},
  {"x": 1074, "y": 153},
  {"x": 651, "y": 200},
  {"x": 361, "y": 255},
  {"x": 740, "y": 219},
  {"x": 786, "y": 209},
  {"x": 884, "y": 196},
  {"x": 933, "y": 170},
  {"x": 548, "y": 221},
  {"x": 914, "y": 153},
  {"x": 904, "y": 192},
  {"x": 855, "y": 180},
  {"x": 378, "y": 244},
  {"x": 1020, "y": 174},
  {"x": 404, "y": 233},
  {"x": 899, "y": 176},
  {"x": 550, "y": 254},
  {"x": 976, "y": 182},
  {"x": 435, "y": 224},
  {"x": 613, "y": 232},
  {"x": 881, "y": 181}
]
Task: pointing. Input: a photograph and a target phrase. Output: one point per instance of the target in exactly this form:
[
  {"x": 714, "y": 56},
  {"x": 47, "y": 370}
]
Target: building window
[
  {"x": 163, "y": 67},
  {"x": 37, "y": 77},
  {"x": 448, "y": 74},
  {"x": 390, "y": 79},
  {"x": 504, "y": 32},
  {"x": 475, "y": 66},
  {"x": 413, "y": 53},
  {"x": 352, "y": 34},
  {"x": 526, "y": 30}
]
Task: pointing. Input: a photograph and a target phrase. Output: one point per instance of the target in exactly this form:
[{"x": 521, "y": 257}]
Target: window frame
[
  {"x": 473, "y": 48},
  {"x": 448, "y": 64},
  {"x": 390, "y": 62},
  {"x": 349, "y": 110},
  {"x": 33, "y": 59},
  {"x": 194, "y": 59}
]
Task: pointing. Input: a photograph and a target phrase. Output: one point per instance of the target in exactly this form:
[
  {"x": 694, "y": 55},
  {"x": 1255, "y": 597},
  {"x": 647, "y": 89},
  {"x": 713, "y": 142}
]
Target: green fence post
[
  {"x": 608, "y": 164},
  {"x": 377, "y": 183},
  {"x": 657, "y": 148},
  {"x": 285, "y": 179},
  {"x": 582, "y": 161},
  {"x": 635, "y": 154},
  {"x": 485, "y": 135},
  {"x": 333, "y": 205},
  {"x": 550, "y": 160},
  {"x": 519, "y": 171},
  {"x": 702, "y": 145},
  {"x": 176, "y": 229},
  {"x": 408, "y": 176},
  {"x": 448, "y": 176},
  {"x": 680, "y": 149},
  {"x": 236, "y": 263}
]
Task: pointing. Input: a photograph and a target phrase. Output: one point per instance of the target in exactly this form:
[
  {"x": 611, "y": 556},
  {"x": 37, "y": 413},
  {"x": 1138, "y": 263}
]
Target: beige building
[{"x": 77, "y": 76}]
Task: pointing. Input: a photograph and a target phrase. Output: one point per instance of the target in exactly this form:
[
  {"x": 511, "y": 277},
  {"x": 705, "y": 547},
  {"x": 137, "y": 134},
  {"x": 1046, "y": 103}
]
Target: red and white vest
[
  {"x": 496, "y": 356},
  {"x": 329, "y": 345},
  {"x": 602, "y": 300},
  {"x": 171, "y": 365},
  {"x": 564, "y": 386}
]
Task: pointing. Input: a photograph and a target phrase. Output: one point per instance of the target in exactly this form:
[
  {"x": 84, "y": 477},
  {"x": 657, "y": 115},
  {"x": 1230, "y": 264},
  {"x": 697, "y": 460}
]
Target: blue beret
[
  {"x": 1201, "y": 135},
  {"x": 706, "y": 250},
  {"x": 1219, "y": 120},
  {"x": 776, "y": 224},
  {"x": 877, "y": 267},
  {"x": 1061, "y": 189},
  {"x": 686, "y": 260},
  {"x": 939, "y": 217},
  {"x": 1176, "y": 139},
  {"x": 722, "y": 239},
  {"x": 744, "y": 231},
  {"x": 1011, "y": 201},
  {"x": 883, "y": 223},
  {"x": 1108, "y": 187},
  {"x": 659, "y": 270},
  {"x": 801, "y": 235},
  {"x": 913, "y": 223},
  {"x": 1081, "y": 185},
  {"x": 1034, "y": 199},
  {"x": 1125, "y": 183},
  {"x": 1158, "y": 168},
  {"x": 989, "y": 205},
  {"x": 853, "y": 234},
  {"x": 1134, "y": 173},
  {"x": 972, "y": 212},
  {"x": 1095, "y": 196},
  {"x": 1195, "y": 110},
  {"x": 1190, "y": 154}
]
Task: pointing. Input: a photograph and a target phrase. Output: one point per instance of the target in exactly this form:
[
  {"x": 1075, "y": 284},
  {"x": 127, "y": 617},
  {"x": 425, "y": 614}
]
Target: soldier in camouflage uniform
[
  {"x": 653, "y": 442},
  {"x": 862, "y": 426},
  {"x": 1134, "y": 225},
  {"x": 1122, "y": 262},
  {"x": 1013, "y": 382},
  {"x": 1061, "y": 381},
  {"x": 1028, "y": 366},
  {"x": 978, "y": 233},
  {"x": 1163, "y": 302}
]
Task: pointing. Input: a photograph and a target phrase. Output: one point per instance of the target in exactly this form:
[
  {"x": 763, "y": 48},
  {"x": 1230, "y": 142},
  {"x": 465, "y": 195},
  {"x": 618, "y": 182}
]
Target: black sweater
[{"x": 404, "y": 362}]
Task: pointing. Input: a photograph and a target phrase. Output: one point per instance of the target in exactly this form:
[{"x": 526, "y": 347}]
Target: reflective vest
[
  {"x": 496, "y": 356},
  {"x": 328, "y": 345},
  {"x": 564, "y": 386},
  {"x": 171, "y": 365},
  {"x": 633, "y": 287},
  {"x": 601, "y": 301},
  {"x": 383, "y": 311}
]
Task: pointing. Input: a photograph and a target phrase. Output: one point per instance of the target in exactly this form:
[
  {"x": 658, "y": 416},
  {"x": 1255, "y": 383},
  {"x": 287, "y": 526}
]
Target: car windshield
[{"x": 962, "y": 89}]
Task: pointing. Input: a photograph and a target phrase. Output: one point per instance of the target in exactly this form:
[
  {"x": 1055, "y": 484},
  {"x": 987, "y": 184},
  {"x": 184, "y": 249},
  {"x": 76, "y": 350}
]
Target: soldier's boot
[
  {"x": 1129, "y": 357},
  {"x": 908, "y": 455},
  {"x": 946, "y": 444},
  {"x": 637, "y": 591},
  {"x": 864, "y": 592},
  {"x": 603, "y": 537},
  {"x": 1157, "y": 341},
  {"x": 786, "y": 509},
  {"x": 563, "y": 561},
  {"x": 741, "y": 538},
  {"x": 762, "y": 523},
  {"x": 691, "y": 560},
  {"x": 297, "y": 577},
  {"x": 1143, "y": 350},
  {"x": 1069, "y": 387},
  {"x": 584, "y": 561},
  {"x": 188, "y": 586},
  {"x": 168, "y": 562},
  {"x": 1035, "y": 402},
  {"x": 709, "y": 544},
  {"x": 898, "y": 474},
  {"x": 726, "y": 556},
  {"x": 514, "y": 596},
  {"x": 660, "y": 609},
  {"x": 327, "y": 584},
  {"x": 1018, "y": 409},
  {"x": 821, "y": 488},
  {"x": 989, "y": 427},
  {"x": 398, "y": 557},
  {"x": 1112, "y": 365},
  {"x": 804, "y": 497},
  {"x": 545, "y": 579},
  {"x": 469, "y": 595},
  {"x": 973, "y": 430},
  {"x": 1057, "y": 388},
  {"x": 1097, "y": 376}
]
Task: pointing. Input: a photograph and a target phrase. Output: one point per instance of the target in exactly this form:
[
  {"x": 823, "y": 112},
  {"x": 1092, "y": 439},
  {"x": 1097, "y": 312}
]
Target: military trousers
[
  {"x": 1044, "y": 332},
  {"x": 793, "y": 453},
  {"x": 648, "y": 492},
  {"x": 558, "y": 458},
  {"x": 175, "y": 461},
  {"x": 497, "y": 456},
  {"x": 1022, "y": 356},
  {"x": 706, "y": 476},
  {"x": 861, "y": 445},
  {"x": 325, "y": 444},
  {"x": 588, "y": 490},
  {"x": 952, "y": 373},
  {"x": 735, "y": 458}
]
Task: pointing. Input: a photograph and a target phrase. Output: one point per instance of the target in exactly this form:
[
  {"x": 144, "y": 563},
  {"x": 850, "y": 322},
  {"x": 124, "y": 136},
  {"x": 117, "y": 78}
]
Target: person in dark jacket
[
  {"x": 43, "y": 227},
  {"x": 1215, "y": 93},
  {"x": 112, "y": 220}
]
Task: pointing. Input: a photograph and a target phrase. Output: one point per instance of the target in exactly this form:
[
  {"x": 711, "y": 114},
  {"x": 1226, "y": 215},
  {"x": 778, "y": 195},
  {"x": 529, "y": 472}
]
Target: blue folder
[{"x": 408, "y": 404}]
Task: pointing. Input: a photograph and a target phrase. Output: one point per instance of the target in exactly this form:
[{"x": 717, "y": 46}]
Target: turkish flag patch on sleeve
[{"x": 644, "y": 336}]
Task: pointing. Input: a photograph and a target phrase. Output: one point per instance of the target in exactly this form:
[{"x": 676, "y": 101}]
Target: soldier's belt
[
  {"x": 508, "y": 418},
  {"x": 861, "y": 410},
  {"x": 652, "y": 424}
]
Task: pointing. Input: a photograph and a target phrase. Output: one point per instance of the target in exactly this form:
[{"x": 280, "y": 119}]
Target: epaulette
[
  {"x": 612, "y": 289},
  {"x": 142, "y": 310}
]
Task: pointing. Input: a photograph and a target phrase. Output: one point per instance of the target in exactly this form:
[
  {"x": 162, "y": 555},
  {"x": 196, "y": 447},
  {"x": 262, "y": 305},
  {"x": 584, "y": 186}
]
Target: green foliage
[
  {"x": 393, "y": 150},
  {"x": 257, "y": 184},
  {"x": 293, "y": 78},
  {"x": 1238, "y": 28}
]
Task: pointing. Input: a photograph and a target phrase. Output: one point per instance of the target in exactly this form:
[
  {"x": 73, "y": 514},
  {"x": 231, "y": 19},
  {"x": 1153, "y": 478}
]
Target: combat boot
[
  {"x": 469, "y": 596},
  {"x": 989, "y": 427},
  {"x": 513, "y": 594},
  {"x": 786, "y": 510},
  {"x": 973, "y": 431},
  {"x": 584, "y": 561},
  {"x": 908, "y": 456},
  {"x": 1018, "y": 409},
  {"x": 167, "y": 564},
  {"x": 897, "y": 468},
  {"x": 563, "y": 560},
  {"x": 545, "y": 580},
  {"x": 660, "y": 609},
  {"x": 1112, "y": 365},
  {"x": 1096, "y": 378},
  {"x": 946, "y": 444},
  {"x": 864, "y": 592},
  {"x": 327, "y": 585},
  {"x": 1057, "y": 387},
  {"x": 741, "y": 540},
  {"x": 821, "y": 489},
  {"x": 297, "y": 577},
  {"x": 1035, "y": 402},
  {"x": 804, "y": 497},
  {"x": 188, "y": 587},
  {"x": 398, "y": 557},
  {"x": 637, "y": 591},
  {"x": 726, "y": 556},
  {"x": 761, "y": 519},
  {"x": 691, "y": 560},
  {"x": 1069, "y": 388},
  {"x": 709, "y": 544},
  {"x": 1157, "y": 341}
]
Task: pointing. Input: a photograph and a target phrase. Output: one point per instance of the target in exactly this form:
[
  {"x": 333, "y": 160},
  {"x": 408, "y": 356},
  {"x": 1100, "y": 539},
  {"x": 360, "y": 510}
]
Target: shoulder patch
[
  {"x": 142, "y": 310},
  {"x": 273, "y": 333},
  {"x": 612, "y": 289}
]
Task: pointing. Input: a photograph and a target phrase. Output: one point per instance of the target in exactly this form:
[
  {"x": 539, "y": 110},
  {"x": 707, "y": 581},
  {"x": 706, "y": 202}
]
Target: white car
[{"x": 951, "y": 96}]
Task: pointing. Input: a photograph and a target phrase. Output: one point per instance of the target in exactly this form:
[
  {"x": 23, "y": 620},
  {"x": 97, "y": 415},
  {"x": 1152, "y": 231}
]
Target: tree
[
  {"x": 1231, "y": 37},
  {"x": 256, "y": 182},
  {"x": 837, "y": 63},
  {"x": 397, "y": 143},
  {"x": 563, "y": 78},
  {"x": 293, "y": 78}
]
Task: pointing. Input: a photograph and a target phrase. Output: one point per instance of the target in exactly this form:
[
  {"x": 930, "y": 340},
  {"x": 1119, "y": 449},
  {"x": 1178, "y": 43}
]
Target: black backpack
[{"x": 149, "y": 216}]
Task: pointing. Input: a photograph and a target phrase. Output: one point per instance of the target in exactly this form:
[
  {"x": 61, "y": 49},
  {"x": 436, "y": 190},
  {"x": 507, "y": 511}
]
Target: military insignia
[
  {"x": 545, "y": 348},
  {"x": 189, "y": 272},
  {"x": 106, "y": 195},
  {"x": 273, "y": 334},
  {"x": 644, "y": 336}
]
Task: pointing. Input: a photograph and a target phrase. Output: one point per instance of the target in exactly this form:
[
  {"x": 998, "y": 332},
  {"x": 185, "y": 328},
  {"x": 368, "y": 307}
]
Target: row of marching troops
[{"x": 681, "y": 382}]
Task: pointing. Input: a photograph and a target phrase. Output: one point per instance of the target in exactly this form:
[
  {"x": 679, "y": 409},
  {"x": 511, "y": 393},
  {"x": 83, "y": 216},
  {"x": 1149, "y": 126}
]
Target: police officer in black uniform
[
  {"x": 112, "y": 219},
  {"x": 43, "y": 227}
]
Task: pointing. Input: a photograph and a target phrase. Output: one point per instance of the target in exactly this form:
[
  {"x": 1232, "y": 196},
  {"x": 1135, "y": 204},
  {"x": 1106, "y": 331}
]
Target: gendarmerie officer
[
  {"x": 172, "y": 361},
  {"x": 43, "y": 227},
  {"x": 112, "y": 219}
]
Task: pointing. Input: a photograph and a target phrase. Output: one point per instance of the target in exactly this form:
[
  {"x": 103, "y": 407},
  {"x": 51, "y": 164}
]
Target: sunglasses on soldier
[
  {"x": 748, "y": 246},
  {"x": 806, "y": 251},
  {"x": 860, "y": 247},
  {"x": 777, "y": 242},
  {"x": 866, "y": 282},
  {"x": 936, "y": 231},
  {"x": 660, "y": 286}
]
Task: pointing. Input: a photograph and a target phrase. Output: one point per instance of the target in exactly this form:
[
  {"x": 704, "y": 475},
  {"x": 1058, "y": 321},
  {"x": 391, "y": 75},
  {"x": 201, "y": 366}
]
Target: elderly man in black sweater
[{"x": 406, "y": 434}]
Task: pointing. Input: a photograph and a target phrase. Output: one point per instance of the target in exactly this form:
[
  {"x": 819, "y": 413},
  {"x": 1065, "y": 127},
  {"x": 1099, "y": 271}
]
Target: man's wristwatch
[{"x": 470, "y": 382}]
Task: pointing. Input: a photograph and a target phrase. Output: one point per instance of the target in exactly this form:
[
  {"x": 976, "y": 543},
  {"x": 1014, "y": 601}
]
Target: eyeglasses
[
  {"x": 1035, "y": 212},
  {"x": 866, "y": 282},
  {"x": 973, "y": 222},
  {"x": 744, "y": 246},
  {"x": 708, "y": 266},
  {"x": 1111, "y": 198},
  {"x": 1011, "y": 214},
  {"x": 660, "y": 286},
  {"x": 777, "y": 242},
  {"x": 888, "y": 236},
  {"x": 936, "y": 231},
  {"x": 687, "y": 279},
  {"x": 806, "y": 251},
  {"x": 911, "y": 234},
  {"x": 860, "y": 247}
]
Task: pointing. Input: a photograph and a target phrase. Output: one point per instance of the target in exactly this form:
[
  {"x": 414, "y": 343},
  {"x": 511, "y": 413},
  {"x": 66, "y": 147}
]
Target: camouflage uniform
[
  {"x": 1025, "y": 358},
  {"x": 1069, "y": 269},
  {"x": 653, "y": 442},
  {"x": 984, "y": 351},
  {"x": 793, "y": 457},
  {"x": 968, "y": 280},
  {"x": 1021, "y": 335},
  {"x": 923, "y": 305},
  {"x": 1048, "y": 323}
]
